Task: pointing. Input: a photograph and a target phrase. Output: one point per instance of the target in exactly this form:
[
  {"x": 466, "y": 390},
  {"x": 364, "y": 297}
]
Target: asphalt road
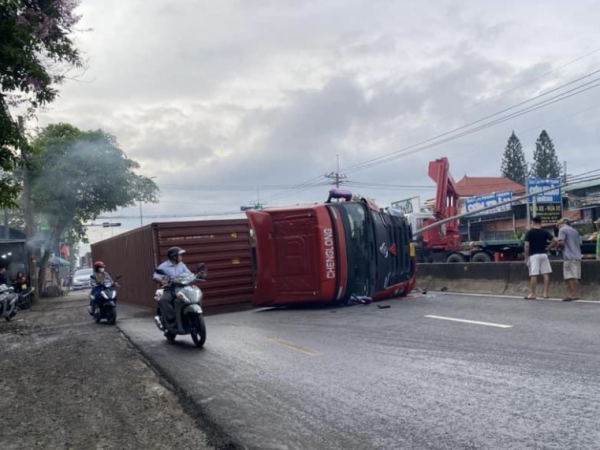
[{"x": 362, "y": 377}]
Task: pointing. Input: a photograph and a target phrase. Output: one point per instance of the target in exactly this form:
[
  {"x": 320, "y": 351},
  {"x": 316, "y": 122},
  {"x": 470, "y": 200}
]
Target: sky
[{"x": 256, "y": 98}]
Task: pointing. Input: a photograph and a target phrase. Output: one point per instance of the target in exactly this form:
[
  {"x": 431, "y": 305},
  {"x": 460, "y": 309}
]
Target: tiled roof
[{"x": 470, "y": 186}]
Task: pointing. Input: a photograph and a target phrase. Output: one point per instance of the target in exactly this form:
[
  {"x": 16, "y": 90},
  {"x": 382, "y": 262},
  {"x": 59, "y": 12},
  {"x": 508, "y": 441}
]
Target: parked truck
[
  {"x": 443, "y": 243},
  {"x": 331, "y": 252}
]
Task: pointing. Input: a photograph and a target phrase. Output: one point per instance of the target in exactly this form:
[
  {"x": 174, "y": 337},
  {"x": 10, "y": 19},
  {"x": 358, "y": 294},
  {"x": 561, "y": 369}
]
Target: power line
[
  {"x": 312, "y": 183},
  {"x": 591, "y": 175},
  {"x": 419, "y": 147},
  {"x": 579, "y": 58},
  {"x": 368, "y": 163},
  {"x": 214, "y": 187}
]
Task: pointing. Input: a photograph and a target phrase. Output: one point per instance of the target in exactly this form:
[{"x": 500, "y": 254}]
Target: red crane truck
[
  {"x": 331, "y": 252},
  {"x": 443, "y": 243}
]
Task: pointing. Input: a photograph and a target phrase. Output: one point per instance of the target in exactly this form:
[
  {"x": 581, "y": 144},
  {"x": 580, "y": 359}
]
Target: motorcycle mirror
[
  {"x": 201, "y": 266},
  {"x": 160, "y": 271},
  {"x": 118, "y": 277}
]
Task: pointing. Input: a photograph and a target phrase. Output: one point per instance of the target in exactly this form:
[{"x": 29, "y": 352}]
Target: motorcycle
[
  {"x": 25, "y": 294},
  {"x": 187, "y": 305},
  {"x": 106, "y": 302},
  {"x": 8, "y": 302}
]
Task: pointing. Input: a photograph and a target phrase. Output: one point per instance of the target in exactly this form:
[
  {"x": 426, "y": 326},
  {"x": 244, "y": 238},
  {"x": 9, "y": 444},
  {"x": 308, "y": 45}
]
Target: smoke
[{"x": 78, "y": 176}]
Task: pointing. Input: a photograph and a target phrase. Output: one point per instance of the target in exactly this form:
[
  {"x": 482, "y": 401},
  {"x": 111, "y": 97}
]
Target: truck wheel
[
  {"x": 456, "y": 258},
  {"x": 481, "y": 257}
]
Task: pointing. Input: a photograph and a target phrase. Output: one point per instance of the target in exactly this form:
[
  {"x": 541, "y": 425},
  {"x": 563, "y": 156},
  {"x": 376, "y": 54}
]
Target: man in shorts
[
  {"x": 569, "y": 242},
  {"x": 598, "y": 239},
  {"x": 536, "y": 257}
]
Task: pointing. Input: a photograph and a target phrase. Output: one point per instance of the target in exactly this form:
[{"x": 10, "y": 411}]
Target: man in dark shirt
[{"x": 536, "y": 257}]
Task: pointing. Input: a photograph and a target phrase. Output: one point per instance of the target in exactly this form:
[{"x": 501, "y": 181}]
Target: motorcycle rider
[
  {"x": 3, "y": 279},
  {"x": 99, "y": 276},
  {"x": 172, "y": 267}
]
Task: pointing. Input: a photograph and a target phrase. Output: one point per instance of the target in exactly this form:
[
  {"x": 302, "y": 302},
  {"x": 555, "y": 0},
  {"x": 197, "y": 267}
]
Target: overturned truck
[{"x": 331, "y": 252}]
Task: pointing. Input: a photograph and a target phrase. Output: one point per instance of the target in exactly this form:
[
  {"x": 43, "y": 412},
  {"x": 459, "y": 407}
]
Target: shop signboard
[
  {"x": 408, "y": 206},
  {"x": 473, "y": 204},
  {"x": 549, "y": 212},
  {"x": 543, "y": 184}
]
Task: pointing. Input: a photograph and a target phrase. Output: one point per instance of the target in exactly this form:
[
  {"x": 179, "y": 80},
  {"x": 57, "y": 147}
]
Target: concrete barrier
[{"x": 506, "y": 278}]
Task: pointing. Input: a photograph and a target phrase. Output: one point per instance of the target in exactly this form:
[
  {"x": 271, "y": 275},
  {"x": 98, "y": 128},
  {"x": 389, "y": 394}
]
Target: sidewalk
[{"x": 67, "y": 382}]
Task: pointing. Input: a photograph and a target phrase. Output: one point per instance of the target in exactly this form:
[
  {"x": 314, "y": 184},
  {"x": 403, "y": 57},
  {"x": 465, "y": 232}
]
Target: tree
[
  {"x": 36, "y": 52},
  {"x": 77, "y": 175},
  {"x": 514, "y": 165},
  {"x": 545, "y": 160}
]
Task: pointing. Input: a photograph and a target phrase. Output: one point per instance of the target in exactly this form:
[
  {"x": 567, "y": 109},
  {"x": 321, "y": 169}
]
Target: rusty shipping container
[{"x": 224, "y": 245}]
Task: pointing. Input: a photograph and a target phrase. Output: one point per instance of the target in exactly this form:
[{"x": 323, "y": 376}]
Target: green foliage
[
  {"x": 545, "y": 160},
  {"x": 77, "y": 175},
  {"x": 36, "y": 52},
  {"x": 514, "y": 165}
]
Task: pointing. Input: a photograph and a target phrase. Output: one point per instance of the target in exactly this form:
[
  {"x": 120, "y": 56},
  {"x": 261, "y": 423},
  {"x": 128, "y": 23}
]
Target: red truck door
[
  {"x": 296, "y": 256},
  {"x": 296, "y": 250}
]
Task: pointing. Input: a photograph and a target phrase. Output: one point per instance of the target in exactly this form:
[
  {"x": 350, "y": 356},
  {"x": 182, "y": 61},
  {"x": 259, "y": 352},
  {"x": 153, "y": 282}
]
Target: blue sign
[
  {"x": 543, "y": 184},
  {"x": 473, "y": 204}
]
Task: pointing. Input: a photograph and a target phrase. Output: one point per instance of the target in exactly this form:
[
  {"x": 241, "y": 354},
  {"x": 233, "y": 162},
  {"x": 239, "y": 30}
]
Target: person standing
[
  {"x": 569, "y": 242},
  {"x": 536, "y": 257},
  {"x": 598, "y": 239}
]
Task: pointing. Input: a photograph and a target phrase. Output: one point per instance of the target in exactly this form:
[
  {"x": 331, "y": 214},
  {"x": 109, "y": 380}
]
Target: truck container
[{"x": 224, "y": 245}]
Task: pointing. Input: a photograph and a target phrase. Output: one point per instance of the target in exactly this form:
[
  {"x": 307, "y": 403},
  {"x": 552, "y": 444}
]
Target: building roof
[
  {"x": 582, "y": 185},
  {"x": 471, "y": 186}
]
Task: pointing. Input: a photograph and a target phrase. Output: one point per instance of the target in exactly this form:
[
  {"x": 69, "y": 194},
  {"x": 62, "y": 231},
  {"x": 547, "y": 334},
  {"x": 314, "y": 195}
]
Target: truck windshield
[{"x": 358, "y": 236}]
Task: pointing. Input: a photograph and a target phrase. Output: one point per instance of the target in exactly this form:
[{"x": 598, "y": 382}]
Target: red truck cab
[{"x": 330, "y": 252}]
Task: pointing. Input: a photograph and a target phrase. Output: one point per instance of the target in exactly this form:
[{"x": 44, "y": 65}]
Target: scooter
[
  {"x": 187, "y": 305},
  {"x": 8, "y": 302},
  {"x": 106, "y": 302},
  {"x": 25, "y": 294}
]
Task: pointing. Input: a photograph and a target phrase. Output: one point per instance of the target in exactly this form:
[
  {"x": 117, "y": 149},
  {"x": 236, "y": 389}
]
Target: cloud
[{"x": 269, "y": 92}]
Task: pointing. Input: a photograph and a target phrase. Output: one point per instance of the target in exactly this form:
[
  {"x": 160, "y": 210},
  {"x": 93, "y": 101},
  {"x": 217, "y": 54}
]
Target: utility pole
[{"x": 336, "y": 176}]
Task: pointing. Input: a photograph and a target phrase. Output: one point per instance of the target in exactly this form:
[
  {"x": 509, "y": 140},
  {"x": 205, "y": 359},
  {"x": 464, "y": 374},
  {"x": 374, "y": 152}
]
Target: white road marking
[
  {"x": 475, "y": 322},
  {"x": 291, "y": 345},
  {"x": 468, "y": 294}
]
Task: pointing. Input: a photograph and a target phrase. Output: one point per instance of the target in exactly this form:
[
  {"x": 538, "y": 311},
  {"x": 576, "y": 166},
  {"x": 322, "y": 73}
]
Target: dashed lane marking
[
  {"x": 291, "y": 345},
  {"x": 474, "y": 322}
]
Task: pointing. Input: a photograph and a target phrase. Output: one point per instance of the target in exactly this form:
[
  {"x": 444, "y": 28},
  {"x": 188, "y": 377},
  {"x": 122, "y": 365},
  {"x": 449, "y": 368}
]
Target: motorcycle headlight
[{"x": 104, "y": 295}]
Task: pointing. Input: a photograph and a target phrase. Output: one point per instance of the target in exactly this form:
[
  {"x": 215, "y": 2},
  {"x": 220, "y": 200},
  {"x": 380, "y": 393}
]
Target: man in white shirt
[{"x": 172, "y": 267}]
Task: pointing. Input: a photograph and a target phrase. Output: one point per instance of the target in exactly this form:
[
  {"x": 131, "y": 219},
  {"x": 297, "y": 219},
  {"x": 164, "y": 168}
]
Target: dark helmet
[
  {"x": 174, "y": 251},
  {"x": 98, "y": 264}
]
